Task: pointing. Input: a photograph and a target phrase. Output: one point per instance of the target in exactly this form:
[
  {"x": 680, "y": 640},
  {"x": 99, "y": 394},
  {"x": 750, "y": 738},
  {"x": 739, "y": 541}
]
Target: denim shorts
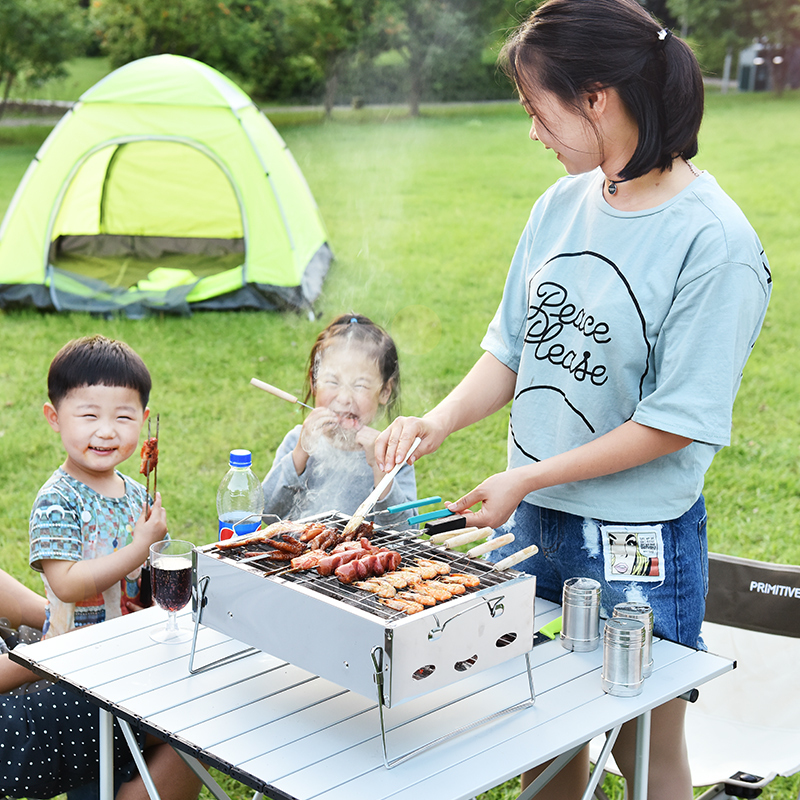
[{"x": 663, "y": 564}]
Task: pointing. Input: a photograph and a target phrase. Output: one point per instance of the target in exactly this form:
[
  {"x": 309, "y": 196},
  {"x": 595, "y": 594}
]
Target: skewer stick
[
  {"x": 147, "y": 480},
  {"x": 441, "y": 538},
  {"x": 155, "y": 468},
  {"x": 465, "y": 538},
  {"x": 268, "y": 387},
  {"x": 492, "y": 544}
]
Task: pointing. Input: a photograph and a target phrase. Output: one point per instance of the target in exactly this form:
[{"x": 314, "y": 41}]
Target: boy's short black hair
[{"x": 97, "y": 361}]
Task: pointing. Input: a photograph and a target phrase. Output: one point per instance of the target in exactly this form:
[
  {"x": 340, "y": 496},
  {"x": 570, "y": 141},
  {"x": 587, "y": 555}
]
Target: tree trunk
[
  {"x": 6, "y": 92},
  {"x": 331, "y": 87}
]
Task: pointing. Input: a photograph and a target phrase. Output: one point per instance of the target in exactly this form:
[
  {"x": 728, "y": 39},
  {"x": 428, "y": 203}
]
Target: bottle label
[{"x": 231, "y": 527}]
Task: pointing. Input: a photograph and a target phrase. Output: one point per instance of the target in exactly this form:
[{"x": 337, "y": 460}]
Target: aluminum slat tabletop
[{"x": 290, "y": 734}]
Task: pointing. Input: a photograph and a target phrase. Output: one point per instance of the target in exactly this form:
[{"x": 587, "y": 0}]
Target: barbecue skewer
[
  {"x": 148, "y": 470},
  {"x": 492, "y": 544},
  {"x": 515, "y": 558},
  {"x": 268, "y": 387},
  {"x": 441, "y": 538},
  {"x": 466, "y": 537}
]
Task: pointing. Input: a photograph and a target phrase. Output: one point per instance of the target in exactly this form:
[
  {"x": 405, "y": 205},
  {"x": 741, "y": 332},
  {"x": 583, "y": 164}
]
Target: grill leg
[
  {"x": 201, "y": 601},
  {"x": 377, "y": 662}
]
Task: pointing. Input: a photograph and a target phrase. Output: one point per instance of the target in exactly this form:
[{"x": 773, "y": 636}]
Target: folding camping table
[{"x": 292, "y": 735}]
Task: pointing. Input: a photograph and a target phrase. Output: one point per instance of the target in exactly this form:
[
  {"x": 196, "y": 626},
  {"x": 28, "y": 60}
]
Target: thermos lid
[
  {"x": 624, "y": 632},
  {"x": 632, "y": 610},
  {"x": 581, "y": 590},
  {"x": 241, "y": 458}
]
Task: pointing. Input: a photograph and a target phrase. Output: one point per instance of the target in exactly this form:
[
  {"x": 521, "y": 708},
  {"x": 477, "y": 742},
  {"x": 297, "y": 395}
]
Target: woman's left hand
[{"x": 499, "y": 496}]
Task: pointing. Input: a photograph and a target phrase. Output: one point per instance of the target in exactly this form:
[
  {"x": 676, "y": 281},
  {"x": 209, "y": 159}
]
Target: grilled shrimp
[
  {"x": 459, "y": 577},
  {"x": 451, "y": 588},
  {"x": 418, "y": 597},
  {"x": 423, "y": 571},
  {"x": 406, "y": 575},
  {"x": 436, "y": 592},
  {"x": 440, "y": 567},
  {"x": 406, "y": 606},
  {"x": 378, "y": 587}
]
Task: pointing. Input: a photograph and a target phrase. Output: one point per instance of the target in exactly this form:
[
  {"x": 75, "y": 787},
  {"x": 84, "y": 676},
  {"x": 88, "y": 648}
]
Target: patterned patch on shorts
[{"x": 633, "y": 552}]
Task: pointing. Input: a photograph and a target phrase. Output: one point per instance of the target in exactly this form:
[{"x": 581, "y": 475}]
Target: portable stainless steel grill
[{"x": 345, "y": 635}]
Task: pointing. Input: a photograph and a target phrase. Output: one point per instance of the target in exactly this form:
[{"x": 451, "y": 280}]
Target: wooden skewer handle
[
  {"x": 492, "y": 544},
  {"x": 467, "y": 537},
  {"x": 441, "y": 538},
  {"x": 268, "y": 387},
  {"x": 515, "y": 558}
]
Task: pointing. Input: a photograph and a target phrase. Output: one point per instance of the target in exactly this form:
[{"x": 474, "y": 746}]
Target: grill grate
[{"x": 404, "y": 542}]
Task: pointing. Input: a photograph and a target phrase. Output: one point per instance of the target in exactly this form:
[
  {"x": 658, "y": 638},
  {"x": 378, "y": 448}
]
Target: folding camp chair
[{"x": 744, "y": 729}]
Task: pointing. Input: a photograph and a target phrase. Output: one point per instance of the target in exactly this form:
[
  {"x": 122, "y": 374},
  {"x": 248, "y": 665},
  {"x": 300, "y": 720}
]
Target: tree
[
  {"x": 736, "y": 23},
  {"x": 218, "y": 33},
  {"x": 433, "y": 35},
  {"x": 329, "y": 32},
  {"x": 36, "y": 38}
]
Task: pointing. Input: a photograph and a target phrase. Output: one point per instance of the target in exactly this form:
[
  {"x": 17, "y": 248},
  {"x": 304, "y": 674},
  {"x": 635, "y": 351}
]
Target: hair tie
[
  {"x": 353, "y": 321},
  {"x": 663, "y": 35}
]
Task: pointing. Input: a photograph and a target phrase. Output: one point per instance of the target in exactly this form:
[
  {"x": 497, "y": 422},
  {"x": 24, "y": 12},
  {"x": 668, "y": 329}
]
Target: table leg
[
  {"x": 106, "y": 755},
  {"x": 204, "y": 775},
  {"x": 555, "y": 766},
  {"x": 141, "y": 764},
  {"x": 642, "y": 757}
]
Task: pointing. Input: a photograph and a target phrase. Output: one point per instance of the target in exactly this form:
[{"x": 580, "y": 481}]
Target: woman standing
[{"x": 633, "y": 300}]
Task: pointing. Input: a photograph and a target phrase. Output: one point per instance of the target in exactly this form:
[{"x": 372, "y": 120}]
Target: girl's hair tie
[
  {"x": 664, "y": 34},
  {"x": 354, "y": 320}
]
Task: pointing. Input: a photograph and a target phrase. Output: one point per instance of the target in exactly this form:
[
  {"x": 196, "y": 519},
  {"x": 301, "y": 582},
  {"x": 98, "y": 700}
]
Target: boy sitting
[{"x": 88, "y": 528}]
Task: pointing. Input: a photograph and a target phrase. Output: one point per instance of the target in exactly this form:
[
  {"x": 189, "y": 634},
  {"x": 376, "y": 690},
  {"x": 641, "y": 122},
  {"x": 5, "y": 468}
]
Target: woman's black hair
[
  {"x": 362, "y": 330},
  {"x": 575, "y": 47},
  {"x": 97, "y": 361}
]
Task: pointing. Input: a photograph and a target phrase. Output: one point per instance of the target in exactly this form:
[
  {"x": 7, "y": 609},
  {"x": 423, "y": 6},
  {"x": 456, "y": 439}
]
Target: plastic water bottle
[{"x": 240, "y": 498}]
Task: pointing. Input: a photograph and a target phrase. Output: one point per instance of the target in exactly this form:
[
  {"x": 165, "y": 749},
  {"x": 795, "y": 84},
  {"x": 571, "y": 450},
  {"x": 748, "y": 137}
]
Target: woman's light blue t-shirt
[{"x": 609, "y": 316}]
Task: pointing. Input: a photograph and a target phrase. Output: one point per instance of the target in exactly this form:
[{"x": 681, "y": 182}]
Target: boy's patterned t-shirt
[{"x": 72, "y": 522}]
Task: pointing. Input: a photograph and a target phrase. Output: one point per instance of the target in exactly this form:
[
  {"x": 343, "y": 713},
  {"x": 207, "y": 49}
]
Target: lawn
[{"x": 423, "y": 216}]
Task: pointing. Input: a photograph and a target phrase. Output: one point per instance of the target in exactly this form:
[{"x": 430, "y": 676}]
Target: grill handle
[{"x": 494, "y": 604}]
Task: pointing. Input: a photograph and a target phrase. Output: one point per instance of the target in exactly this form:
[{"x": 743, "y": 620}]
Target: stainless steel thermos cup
[
  {"x": 644, "y": 614},
  {"x": 580, "y": 625},
  {"x": 623, "y": 643}
]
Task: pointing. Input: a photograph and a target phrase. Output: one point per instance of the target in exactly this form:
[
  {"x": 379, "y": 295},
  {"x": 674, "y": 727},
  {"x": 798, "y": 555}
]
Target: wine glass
[{"x": 171, "y": 567}]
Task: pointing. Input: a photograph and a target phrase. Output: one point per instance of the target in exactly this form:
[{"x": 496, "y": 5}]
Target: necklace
[
  {"x": 612, "y": 185},
  {"x": 692, "y": 168}
]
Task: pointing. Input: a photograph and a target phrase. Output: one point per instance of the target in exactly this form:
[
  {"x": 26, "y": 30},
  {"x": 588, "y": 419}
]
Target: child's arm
[
  {"x": 73, "y": 581},
  {"x": 12, "y": 675},
  {"x": 19, "y": 604}
]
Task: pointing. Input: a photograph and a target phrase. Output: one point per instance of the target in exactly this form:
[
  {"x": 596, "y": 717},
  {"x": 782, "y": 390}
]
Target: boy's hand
[{"x": 151, "y": 529}]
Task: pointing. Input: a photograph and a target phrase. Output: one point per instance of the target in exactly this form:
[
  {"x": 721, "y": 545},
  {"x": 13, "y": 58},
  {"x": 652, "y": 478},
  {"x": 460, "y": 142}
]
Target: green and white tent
[{"x": 165, "y": 189}]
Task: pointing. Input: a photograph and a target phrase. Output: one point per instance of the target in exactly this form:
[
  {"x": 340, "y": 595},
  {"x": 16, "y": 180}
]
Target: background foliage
[{"x": 343, "y": 51}]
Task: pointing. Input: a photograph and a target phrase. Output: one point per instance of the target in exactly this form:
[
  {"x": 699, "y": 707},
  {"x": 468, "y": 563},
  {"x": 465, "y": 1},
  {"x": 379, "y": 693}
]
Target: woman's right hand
[{"x": 392, "y": 446}]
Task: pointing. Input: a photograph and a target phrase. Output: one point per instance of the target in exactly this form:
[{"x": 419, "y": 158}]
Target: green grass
[{"x": 423, "y": 217}]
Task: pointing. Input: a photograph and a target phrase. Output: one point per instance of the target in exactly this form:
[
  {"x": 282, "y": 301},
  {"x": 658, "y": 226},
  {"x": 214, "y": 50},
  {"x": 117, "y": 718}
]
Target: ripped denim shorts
[{"x": 664, "y": 564}]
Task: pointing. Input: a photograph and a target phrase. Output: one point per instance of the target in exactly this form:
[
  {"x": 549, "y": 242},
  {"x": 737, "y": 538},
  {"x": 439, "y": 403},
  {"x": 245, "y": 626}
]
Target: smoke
[{"x": 339, "y": 474}]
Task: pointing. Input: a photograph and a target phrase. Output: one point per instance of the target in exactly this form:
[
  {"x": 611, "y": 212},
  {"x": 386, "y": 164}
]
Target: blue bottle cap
[{"x": 241, "y": 458}]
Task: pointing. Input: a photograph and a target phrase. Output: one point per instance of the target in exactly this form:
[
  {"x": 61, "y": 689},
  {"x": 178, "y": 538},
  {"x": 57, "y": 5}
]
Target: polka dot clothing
[{"x": 49, "y": 744}]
